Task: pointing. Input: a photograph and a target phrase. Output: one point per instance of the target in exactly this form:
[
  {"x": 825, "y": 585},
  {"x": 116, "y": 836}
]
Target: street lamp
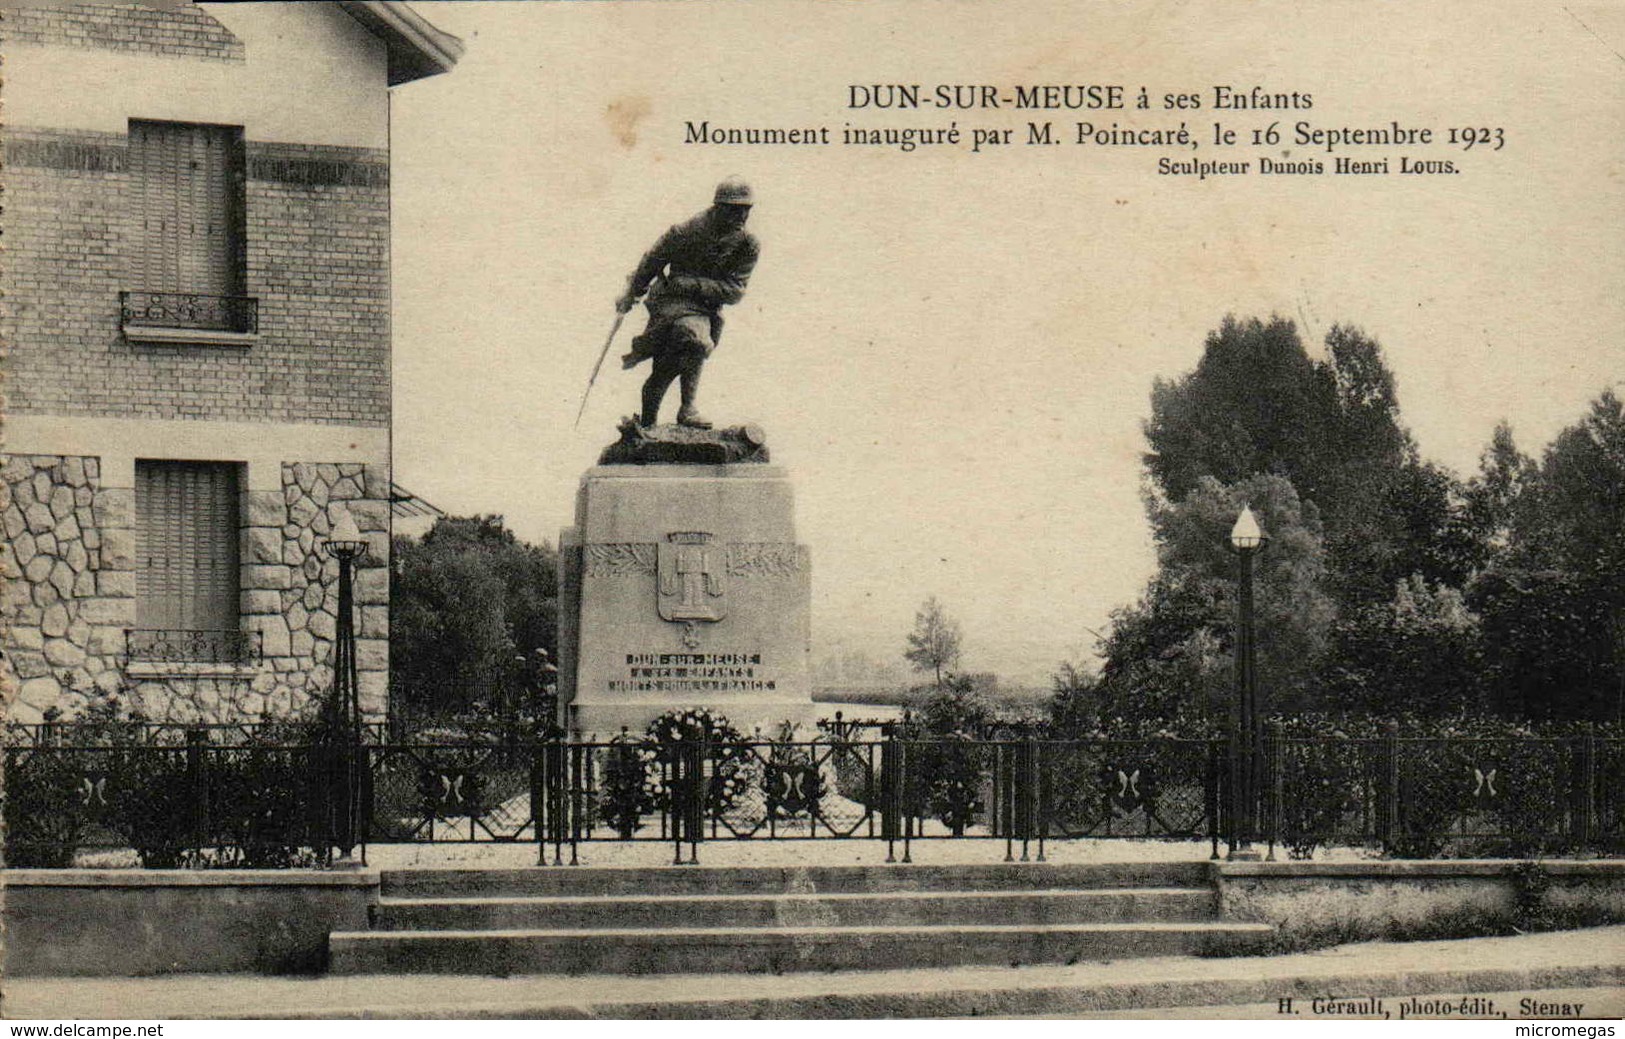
[
  {"x": 1247, "y": 540},
  {"x": 343, "y": 711}
]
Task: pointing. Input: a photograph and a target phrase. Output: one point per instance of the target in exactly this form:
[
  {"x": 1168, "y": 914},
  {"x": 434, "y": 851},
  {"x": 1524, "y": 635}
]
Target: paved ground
[
  {"x": 1582, "y": 967},
  {"x": 821, "y": 852}
]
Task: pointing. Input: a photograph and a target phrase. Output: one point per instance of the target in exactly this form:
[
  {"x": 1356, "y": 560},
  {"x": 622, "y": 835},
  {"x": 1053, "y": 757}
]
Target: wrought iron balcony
[
  {"x": 185, "y": 646},
  {"x": 188, "y": 310}
]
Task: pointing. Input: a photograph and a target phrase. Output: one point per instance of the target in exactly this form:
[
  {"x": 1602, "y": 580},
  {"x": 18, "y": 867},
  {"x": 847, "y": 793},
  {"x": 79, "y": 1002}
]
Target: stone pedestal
[{"x": 683, "y": 586}]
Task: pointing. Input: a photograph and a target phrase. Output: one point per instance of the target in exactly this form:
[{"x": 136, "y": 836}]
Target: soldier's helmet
[{"x": 733, "y": 192}]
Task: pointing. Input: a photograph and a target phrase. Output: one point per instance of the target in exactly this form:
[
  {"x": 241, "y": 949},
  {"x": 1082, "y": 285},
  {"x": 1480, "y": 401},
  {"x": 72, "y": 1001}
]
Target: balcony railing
[
  {"x": 183, "y": 646},
  {"x": 188, "y": 310}
]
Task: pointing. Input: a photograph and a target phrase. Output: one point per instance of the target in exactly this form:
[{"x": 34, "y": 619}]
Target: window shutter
[
  {"x": 186, "y": 516},
  {"x": 187, "y": 179}
]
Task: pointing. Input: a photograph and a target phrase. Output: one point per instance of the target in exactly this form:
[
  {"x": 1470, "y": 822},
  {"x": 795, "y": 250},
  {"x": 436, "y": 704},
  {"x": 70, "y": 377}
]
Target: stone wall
[
  {"x": 134, "y": 923},
  {"x": 1317, "y": 903},
  {"x": 70, "y": 578},
  {"x": 70, "y": 558},
  {"x": 299, "y": 636}
]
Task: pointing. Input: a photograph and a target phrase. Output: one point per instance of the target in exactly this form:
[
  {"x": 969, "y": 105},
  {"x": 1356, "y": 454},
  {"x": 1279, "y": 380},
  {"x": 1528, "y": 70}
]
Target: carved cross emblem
[{"x": 691, "y": 572}]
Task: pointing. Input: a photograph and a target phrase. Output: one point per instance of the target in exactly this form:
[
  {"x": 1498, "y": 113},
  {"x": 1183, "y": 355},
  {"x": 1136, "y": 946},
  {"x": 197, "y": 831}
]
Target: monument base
[
  {"x": 602, "y": 721},
  {"x": 683, "y": 586}
]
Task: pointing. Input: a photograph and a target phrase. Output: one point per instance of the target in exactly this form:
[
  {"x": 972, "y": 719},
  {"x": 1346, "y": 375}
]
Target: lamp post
[
  {"x": 343, "y": 711},
  {"x": 1247, "y": 540}
]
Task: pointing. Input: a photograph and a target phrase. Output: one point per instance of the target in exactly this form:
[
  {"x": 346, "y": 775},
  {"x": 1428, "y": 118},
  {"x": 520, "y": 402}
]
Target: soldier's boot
[
  {"x": 689, "y": 385},
  {"x": 654, "y": 391}
]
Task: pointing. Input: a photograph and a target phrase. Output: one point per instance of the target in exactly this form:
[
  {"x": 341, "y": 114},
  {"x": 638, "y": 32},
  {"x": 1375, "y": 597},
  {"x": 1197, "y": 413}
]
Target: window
[
  {"x": 186, "y": 562},
  {"x": 187, "y": 184}
]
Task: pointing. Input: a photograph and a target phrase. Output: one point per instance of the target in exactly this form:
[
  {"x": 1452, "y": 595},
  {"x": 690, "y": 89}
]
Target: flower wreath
[{"x": 729, "y": 771}]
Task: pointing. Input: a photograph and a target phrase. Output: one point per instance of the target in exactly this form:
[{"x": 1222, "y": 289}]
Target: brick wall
[
  {"x": 182, "y": 30},
  {"x": 317, "y": 259}
]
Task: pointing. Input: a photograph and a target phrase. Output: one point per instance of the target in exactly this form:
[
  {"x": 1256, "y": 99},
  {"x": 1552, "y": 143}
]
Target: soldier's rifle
[{"x": 620, "y": 315}]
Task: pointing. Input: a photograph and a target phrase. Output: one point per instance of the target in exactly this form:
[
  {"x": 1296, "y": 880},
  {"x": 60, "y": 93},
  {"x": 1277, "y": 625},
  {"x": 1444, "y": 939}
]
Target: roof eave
[{"x": 416, "y": 48}]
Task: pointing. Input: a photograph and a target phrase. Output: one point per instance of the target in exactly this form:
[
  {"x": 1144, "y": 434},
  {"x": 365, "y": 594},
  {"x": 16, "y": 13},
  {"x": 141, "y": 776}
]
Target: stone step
[
  {"x": 697, "y": 880},
  {"x": 774, "y": 950},
  {"x": 794, "y": 910}
]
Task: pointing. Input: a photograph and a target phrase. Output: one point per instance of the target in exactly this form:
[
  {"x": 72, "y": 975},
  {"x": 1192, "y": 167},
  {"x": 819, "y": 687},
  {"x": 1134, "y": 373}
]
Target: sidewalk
[{"x": 1500, "y": 968}]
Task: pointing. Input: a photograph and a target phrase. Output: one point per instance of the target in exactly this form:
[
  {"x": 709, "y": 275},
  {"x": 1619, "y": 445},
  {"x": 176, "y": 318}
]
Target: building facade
[{"x": 197, "y": 337}]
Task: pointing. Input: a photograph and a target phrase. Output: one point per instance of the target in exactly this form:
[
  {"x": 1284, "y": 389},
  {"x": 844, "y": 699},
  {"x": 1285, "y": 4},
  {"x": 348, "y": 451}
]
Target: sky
[{"x": 952, "y": 352}]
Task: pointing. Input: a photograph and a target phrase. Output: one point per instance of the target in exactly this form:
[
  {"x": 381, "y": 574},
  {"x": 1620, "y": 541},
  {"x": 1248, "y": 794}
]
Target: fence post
[
  {"x": 1588, "y": 786},
  {"x": 364, "y": 795},
  {"x": 197, "y": 784},
  {"x": 701, "y": 805},
  {"x": 1041, "y": 801},
  {"x": 678, "y": 795},
  {"x": 1388, "y": 823},
  {"x": 578, "y": 780},
  {"x": 1233, "y": 784},
  {"x": 889, "y": 793},
  {"x": 541, "y": 792},
  {"x": 1026, "y": 806},
  {"x": 688, "y": 797},
  {"x": 1272, "y": 747},
  {"x": 1000, "y": 817},
  {"x": 1210, "y": 797},
  {"x": 905, "y": 781},
  {"x": 563, "y": 780}
]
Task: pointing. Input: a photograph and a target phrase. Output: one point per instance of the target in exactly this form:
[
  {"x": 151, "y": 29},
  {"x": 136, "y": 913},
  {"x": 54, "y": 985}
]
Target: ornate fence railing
[
  {"x": 265, "y": 796},
  {"x": 198, "y": 804},
  {"x": 1427, "y": 797},
  {"x": 189, "y": 310},
  {"x": 192, "y": 646}
]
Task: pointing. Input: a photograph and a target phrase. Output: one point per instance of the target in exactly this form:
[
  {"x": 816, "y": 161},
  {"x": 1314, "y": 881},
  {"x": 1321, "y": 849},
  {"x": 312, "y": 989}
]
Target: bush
[
  {"x": 46, "y": 819},
  {"x": 947, "y": 767},
  {"x": 174, "y": 800},
  {"x": 155, "y": 806},
  {"x": 626, "y": 794},
  {"x": 264, "y": 794},
  {"x": 57, "y": 790}
]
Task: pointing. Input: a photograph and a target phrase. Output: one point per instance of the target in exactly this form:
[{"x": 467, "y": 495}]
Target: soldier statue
[{"x": 690, "y": 274}]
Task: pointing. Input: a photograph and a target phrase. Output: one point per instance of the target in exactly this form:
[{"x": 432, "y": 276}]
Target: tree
[
  {"x": 933, "y": 645},
  {"x": 1492, "y": 496},
  {"x": 1571, "y": 514},
  {"x": 1508, "y": 588},
  {"x": 1420, "y": 653},
  {"x": 1258, "y": 403},
  {"x": 1074, "y": 706},
  {"x": 952, "y": 766},
  {"x": 1553, "y": 595},
  {"x": 469, "y": 601},
  {"x": 1170, "y": 656},
  {"x": 1245, "y": 409}
]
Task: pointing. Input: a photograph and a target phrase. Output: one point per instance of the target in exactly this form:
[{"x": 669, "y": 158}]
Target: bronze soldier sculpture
[{"x": 691, "y": 273}]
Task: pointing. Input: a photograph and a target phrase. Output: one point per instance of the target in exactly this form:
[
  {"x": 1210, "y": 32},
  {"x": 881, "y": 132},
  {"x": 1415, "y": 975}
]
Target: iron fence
[
  {"x": 189, "y": 310},
  {"x": 265, "y": 796},
  {"x": 192, "y": 646},
  {"x": 1426, "y": 797},
  {"x": 198, "y": 804}
]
